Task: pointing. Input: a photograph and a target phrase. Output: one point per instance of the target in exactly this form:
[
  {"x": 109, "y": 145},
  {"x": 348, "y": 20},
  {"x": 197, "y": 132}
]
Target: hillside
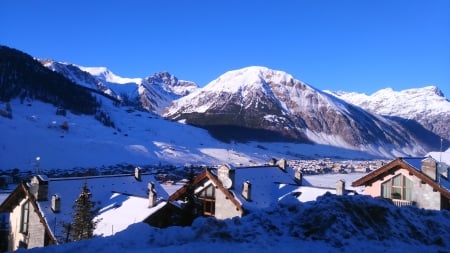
[
  {"x": 330, "y": 224},
  {"x": 427, "y": 106},
  {"x": 139, "y": 138}
]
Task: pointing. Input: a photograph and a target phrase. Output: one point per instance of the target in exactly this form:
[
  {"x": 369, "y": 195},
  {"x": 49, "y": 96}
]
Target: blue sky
[{"x": 350, "y": 45}]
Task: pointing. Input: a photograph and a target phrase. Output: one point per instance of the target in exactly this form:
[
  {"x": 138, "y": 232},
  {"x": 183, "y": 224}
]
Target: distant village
[{"x": 169, "y": 173}]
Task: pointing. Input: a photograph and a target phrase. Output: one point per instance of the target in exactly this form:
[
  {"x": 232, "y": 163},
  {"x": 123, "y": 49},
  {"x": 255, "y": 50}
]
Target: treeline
[{"x": 24, "y": 77}]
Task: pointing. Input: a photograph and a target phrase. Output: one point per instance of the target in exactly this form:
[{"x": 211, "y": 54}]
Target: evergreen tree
[{"x": 83, "y": 223}]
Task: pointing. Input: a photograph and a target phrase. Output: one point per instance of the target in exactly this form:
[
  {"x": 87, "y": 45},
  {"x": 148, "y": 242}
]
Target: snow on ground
[
  {"x": 140, "y": 138},
  {"x": 330, "y": 224}
]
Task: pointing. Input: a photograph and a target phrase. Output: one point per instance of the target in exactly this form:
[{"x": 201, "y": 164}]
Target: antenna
[
  {"x": 440, "y": 153},
  {"x": 38, "y": 158}
]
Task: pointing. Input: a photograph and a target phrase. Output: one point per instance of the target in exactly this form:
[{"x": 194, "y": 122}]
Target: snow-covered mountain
[
  {"x": 426, "y": 105},
  {"x": 261, "y": 98},
  {"x": 153, "y": 93}
]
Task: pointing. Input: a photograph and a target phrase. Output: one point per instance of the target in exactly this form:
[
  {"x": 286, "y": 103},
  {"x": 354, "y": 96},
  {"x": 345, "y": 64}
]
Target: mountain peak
[
  {"x": 248, "y": 78},
  {"x": 107, "y": 75}
]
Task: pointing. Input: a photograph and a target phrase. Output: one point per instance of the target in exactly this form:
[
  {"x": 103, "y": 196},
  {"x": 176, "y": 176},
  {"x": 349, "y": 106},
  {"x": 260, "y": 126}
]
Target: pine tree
[{"x": 83, "y": 223}]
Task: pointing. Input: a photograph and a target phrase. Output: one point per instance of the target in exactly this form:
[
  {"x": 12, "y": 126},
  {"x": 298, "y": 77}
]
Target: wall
[
  {"x": 425, "y": 197},
  {"x": 224, "y": 207},
  {"x": 36, "y": 231},
  {"x": 422, "y": 194}
]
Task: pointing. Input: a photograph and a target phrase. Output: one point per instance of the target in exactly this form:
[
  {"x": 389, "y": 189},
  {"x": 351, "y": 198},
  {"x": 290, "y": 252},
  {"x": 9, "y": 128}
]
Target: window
[
  {"x": 398, "y": 187},
  {"x": 25, "y": 217},
  {"x": 209, "y": 192},
  {"x": 209, "y": 207},
  {"x": 207, "y": 196}
]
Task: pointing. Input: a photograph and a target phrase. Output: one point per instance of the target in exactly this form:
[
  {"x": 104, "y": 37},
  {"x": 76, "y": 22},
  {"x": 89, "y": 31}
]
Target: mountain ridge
[
  {"x": 297, "y": 111},
  {"x": 257, "y": 103},
  {"x": 428, "y": 106}
]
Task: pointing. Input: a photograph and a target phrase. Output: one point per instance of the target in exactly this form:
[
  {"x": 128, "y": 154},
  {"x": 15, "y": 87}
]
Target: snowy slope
[{"x": 140, "y": 138}]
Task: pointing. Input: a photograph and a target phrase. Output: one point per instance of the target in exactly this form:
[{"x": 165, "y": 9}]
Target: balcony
[{"x": 400, "y": 203}]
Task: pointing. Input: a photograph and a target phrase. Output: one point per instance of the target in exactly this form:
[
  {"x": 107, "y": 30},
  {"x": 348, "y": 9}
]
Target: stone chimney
[
  {"x": 137, "y": 173},
  {"x": 226, "y": 175},
  {"x": 151, "y": 195},
  {"x": 39, "y": 187},
  {"x": 282, "y": 163},
  {"x": 56, "y": 203},
  {"x": 429, "y": 168},
  {"x": 247, "y": 190},
  {"x": 340, "y": 187},
  {"x": 298, "y": 177}
]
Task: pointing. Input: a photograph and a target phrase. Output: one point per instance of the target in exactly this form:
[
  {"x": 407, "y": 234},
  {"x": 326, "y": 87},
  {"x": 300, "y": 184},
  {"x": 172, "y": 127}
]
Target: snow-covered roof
[
  {"x": 122, "y": 200},
  {"x": 268, "y": 185}
]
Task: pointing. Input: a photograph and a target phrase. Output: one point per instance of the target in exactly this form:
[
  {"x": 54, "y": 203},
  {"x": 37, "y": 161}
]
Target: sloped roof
[
  {"x": 205, "y": 175},
  {"x": 413, "y": 166},
  {"x": 269, "y": 184},
  {"x": 122, "y": 200}
]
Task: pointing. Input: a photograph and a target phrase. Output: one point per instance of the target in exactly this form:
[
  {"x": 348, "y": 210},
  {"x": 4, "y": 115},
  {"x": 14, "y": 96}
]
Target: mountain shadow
[
  {"x": 429, "y": 140},
  {"x": 228, "y": 133},
  {"x": 24, "y": 77}
]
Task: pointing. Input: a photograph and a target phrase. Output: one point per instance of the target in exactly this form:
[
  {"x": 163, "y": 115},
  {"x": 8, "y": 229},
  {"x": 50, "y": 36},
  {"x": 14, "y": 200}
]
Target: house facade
[
  {"x": 228, "y": 191},
  {"x": 422, "y": 182},
  {"x": 37, "y": 213}
]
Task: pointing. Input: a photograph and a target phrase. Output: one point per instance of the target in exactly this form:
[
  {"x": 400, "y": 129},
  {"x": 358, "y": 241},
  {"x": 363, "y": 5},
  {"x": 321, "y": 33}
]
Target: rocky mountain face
[
  {"x": 426, "y": 106},
  {"x": 157, "y": 91},
  {"x": 153, "y": 93},
  {"x": 257, "y": 98}
]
